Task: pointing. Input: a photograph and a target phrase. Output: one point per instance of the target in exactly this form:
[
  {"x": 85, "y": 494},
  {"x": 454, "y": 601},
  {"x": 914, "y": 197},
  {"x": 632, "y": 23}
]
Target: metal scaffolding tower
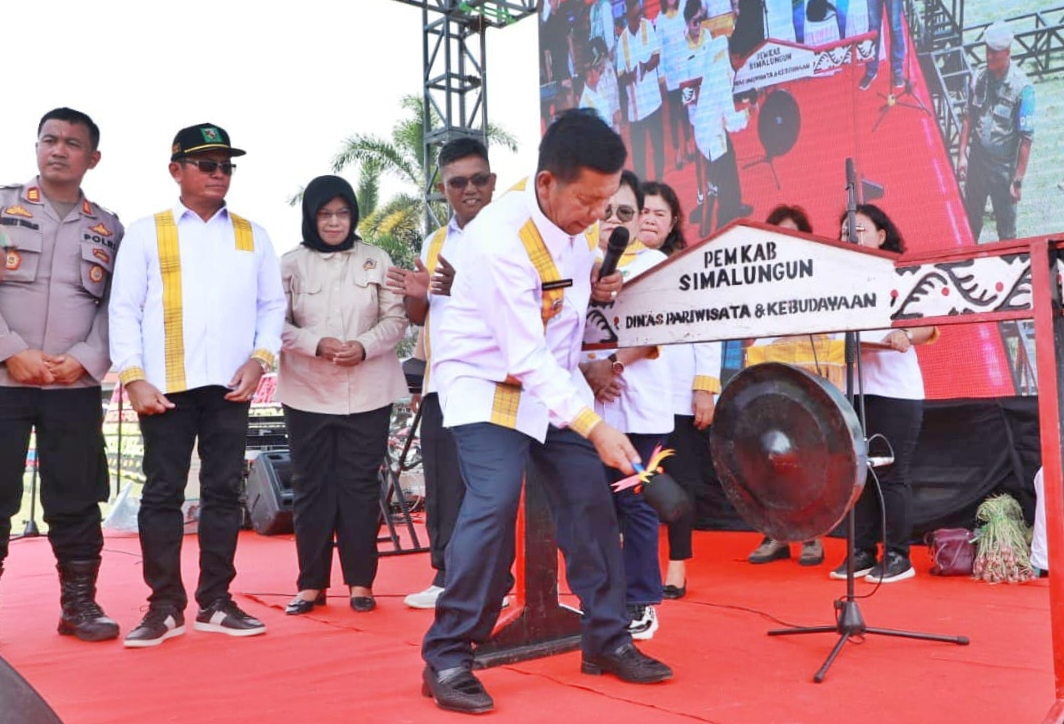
[{"x": 455, "y": 75}]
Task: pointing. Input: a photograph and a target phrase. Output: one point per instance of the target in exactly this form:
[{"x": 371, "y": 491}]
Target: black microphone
[
  {"x": 851, "y": 202},
  {"x": 614, "y": 248}
]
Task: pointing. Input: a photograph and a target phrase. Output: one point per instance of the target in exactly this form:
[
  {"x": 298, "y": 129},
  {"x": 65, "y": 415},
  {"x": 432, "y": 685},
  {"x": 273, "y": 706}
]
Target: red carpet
[{"x": 338, "y": 666}]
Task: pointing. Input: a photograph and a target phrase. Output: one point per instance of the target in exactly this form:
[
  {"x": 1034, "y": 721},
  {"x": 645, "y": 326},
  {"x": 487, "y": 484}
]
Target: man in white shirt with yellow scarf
[
  {"x": 504, "y": 361},
  {"x": 196, "y": 315}
]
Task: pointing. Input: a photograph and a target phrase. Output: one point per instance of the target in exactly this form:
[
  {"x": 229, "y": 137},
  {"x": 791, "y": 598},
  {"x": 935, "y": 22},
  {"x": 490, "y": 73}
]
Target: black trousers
[
  {"x": 692, "y": 468},
  {"x": 723, "y": 175},
  {"x": 444, "y": 488},
  {"x": 899, "y": 421},
  {"x": 222, "y": 428},
  {"x": 72, "y": 463},
  {"x": 639, "y": 131},
  {"x": 336, "y": 461},
  {"x": 679, "y": 124}
]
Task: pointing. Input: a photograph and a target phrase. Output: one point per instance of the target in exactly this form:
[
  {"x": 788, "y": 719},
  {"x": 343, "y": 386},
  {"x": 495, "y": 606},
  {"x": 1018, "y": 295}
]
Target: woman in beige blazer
[{"x": 339, "y": 375}]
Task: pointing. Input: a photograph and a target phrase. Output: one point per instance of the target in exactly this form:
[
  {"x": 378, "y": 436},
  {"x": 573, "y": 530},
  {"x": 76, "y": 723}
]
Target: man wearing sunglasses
[
  {"x": 196, "y": 318},
  {"x": 468, "y": 185},
  {"x": 53, "y": 354}
]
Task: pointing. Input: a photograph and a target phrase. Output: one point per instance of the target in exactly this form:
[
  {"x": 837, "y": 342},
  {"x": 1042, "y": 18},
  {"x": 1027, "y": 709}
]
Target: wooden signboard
[{"x": 750, "y": 280}]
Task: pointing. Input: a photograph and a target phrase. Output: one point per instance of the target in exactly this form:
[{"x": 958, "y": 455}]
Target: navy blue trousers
[
  {"x": 481, "y": 551},
  {"x": 639, "y": 523},
  {"x": 444, "y": 488}
]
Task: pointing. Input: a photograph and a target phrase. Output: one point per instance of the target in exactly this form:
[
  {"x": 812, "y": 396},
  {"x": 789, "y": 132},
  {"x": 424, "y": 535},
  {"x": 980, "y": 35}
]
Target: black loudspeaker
[
  {"x": 269, "y": 493},
  {"x": 19, "y": 702}
]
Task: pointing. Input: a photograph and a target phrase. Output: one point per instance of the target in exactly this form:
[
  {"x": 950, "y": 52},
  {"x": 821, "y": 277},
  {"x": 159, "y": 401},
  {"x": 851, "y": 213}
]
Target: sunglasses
[
  {"x": 480, "y": 180},
  {"x": 624, "y": 213},
  {"x": 210, "y": 167}
]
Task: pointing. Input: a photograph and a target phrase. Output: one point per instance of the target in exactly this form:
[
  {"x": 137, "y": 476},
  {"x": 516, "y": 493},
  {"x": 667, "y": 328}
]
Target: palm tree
[{"x": 399, "y": 221}]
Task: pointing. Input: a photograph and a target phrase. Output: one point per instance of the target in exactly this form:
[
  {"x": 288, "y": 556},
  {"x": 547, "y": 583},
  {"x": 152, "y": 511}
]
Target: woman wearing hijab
[{"x": 339, "y": 375}]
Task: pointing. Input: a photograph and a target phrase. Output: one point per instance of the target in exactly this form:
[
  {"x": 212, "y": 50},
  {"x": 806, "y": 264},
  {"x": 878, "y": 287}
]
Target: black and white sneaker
[
  {"x": 643, "y": 622},
  {"x": 894, "y": 567},
  {"x": 224, "y": 616},
  {"x": 157, "y": 625},
  {"x": 863, "y": 563}
]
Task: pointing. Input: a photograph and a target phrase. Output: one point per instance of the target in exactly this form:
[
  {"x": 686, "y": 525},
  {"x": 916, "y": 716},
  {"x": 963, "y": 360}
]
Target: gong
[
  {"x": 789, "y": 451},
  {"x": 779, "y": 123}
]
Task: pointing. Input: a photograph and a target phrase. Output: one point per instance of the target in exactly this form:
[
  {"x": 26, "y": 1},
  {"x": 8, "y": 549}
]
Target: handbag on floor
[{"x": 952, "y": 551}]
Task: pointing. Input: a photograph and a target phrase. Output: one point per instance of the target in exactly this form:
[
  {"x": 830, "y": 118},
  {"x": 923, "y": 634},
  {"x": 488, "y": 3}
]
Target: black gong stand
[{"x": 849, "y": 623}]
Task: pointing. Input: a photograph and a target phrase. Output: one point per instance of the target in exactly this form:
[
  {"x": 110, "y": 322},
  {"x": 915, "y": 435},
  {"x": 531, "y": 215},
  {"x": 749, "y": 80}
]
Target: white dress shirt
[
  {"x": 645, "y": 403},
  {"x": 692, "y": 367},
  {"x": 888, "y": 372},
  {"x": 644, "y": 94},
  {"x": 596, "y": 101},
  {"x": 226, "y": 307},
  {"x": 715, "y": 115},
  {"x": 450, "y": 251},
  {"x": 672, "y": 38},
  {"x": 493, "y": 330}
]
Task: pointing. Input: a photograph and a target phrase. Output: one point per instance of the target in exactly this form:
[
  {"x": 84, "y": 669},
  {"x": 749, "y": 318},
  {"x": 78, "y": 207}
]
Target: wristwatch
[{"x": 618, "y": 366}]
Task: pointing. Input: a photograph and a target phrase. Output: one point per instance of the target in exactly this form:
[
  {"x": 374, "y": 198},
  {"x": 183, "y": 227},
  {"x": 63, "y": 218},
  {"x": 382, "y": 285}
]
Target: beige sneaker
[
  {"x": 770, "y": 550},
  {"x": 812, "y": 553}
]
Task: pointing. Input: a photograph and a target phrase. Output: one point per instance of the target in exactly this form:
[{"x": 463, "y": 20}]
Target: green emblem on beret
[{"x": 211, "y": 134}]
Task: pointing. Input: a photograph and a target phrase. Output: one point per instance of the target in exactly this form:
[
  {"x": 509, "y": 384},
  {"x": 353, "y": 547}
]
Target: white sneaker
[
  {"x": 644, "y": 622},
  {"x": 424, "y": 599}
]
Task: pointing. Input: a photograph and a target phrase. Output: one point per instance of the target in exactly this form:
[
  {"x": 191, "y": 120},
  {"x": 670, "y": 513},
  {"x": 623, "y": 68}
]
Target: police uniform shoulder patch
[
  {"x": 18, "y": 210},
  {"x": 369, "y": 264},
  {"x": 33, "y": 194},
  {"x": 104, "y": 210},
  {"x": 12, "y": 260},
  {"x": 101, "y": 230}
]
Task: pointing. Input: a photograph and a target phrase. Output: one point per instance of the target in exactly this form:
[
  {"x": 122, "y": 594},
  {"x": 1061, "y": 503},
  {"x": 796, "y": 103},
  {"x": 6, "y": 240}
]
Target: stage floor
[{"x": 338, "y": 666}]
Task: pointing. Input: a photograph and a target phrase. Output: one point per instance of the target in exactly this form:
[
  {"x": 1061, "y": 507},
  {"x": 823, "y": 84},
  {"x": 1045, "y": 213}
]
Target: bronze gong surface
[{"x": 789, "y": 451}]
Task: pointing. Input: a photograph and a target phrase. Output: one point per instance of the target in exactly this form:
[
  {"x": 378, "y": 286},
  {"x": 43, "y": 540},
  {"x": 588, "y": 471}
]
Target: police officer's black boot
[{"x": 82, "y": 617}]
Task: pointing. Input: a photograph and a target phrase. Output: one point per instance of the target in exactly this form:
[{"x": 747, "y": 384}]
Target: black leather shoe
[
  {"x": 627, "y": 663},
  {"x": 362, "y": 604},
  {"x": 674, "y": 592},
  {"x": 298, "y": 606},
  {"x": 457, "y": 691}
]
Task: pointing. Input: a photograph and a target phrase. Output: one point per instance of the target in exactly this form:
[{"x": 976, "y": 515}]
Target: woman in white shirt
[
  {"x": 892, "y": 394},
  {"x": 339, "y": 375},
  {"x": 694, "y": 370},
  {"x": 632, "y": 393}
]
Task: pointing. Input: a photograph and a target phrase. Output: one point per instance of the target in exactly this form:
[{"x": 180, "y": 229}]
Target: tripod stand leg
[
  {"x": 959, "y": 640},
  {"x": 822, "y": 672}
]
